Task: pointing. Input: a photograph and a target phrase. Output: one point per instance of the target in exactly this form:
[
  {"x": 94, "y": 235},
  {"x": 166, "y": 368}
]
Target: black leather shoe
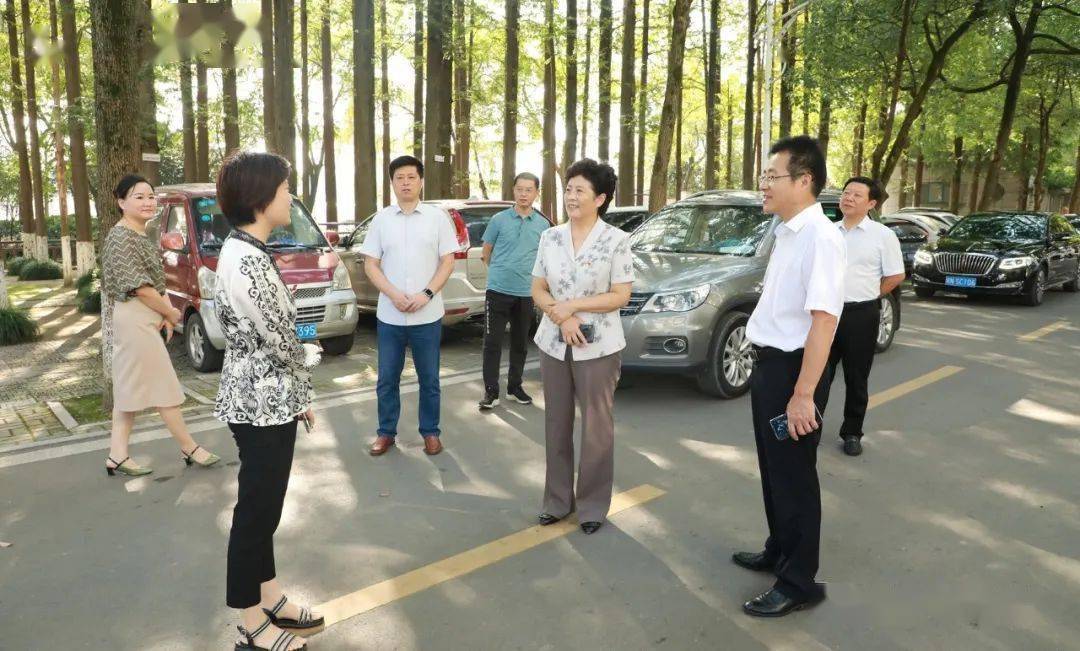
[
  {"x": 546, "y": 519},
  {"x": 852, "y": 446},
  {"x": 776, "y": 604},
  {"x": 757, "y": 562},
  {"x": 590, "y": 527}
]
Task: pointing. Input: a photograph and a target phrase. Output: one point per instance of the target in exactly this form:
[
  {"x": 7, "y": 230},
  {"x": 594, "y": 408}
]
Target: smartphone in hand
[{"x": 779, "y": 424}]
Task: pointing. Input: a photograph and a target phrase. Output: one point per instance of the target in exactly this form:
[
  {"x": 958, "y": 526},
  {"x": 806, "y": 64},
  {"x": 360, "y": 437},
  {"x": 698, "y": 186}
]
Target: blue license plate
[
  {"x": 959, "y": 281},
  {"x": 306, "y": 331}
]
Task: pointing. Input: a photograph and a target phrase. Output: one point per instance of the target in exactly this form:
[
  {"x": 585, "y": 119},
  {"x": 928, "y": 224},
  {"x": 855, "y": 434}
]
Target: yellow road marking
[
  {"x": 905, "y": 388},
  {"x": 421, "y": 579},
  {"x": 1045, "y": 330}
]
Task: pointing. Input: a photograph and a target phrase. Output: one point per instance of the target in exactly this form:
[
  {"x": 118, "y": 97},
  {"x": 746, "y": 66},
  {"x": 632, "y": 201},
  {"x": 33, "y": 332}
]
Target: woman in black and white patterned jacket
[{"x": 265, "y": 389}]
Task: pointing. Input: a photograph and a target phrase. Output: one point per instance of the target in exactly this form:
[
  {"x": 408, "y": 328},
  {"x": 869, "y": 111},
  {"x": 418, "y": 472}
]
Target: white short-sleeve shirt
[
  {"x": 603, "y": 260},
  {"x": 805, "y": 273},
  {"x": 409, "y": 247},
  {"x": 873, "y": 252}
]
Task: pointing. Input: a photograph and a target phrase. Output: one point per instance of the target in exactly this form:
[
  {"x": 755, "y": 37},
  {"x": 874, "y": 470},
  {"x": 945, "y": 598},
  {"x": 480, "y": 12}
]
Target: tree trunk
[
  {"x": 903, "y": 181},
  {"x": 418, "y": 77},
  {"x": 729, "y": 162},
  {"x": 624, "y": 195},
  {"x": 824, "y": 118},
  {"x": 1045, "y": 111},
  {"x": 748, "y": 103},
  {"x": 187, "y": 112},
  {"x": 587, "y": 81},
  {"x": 329, "y": 160},
  {"x": 26, "y": 188},
  {"x": 480, "y": 176},
  {"x": 893, "y": 87},
  {"x": 1074, "y": 197},
  {"x": 712, "y": 96},
  {"x": 957, "y": 176},
  {"x": 202, "y": 118},
  {"x": 680, "y": 18},
  {"x": 30, "y": 61},
  {"x": 462, "y": 102},
  {"x": 547, "y": 186},
  {"x": 1024, "y": 171},
  {"x": 860, "y": 140},
  {"x": 570, "y": 143},
  {"x": 384, "y": 56},
  {"x": 266, "y": 36},
  {"x": 787, "y": 71},
  {"x": 151, "y": 168},
  {"x": 920, "y": 167},
  {"x": 307, "y": 184},
  {"x": 678, "y": 144},
  {"x": 437, "y": 116},
  {"x": 642, "y": 90},
  {"x": 229, "y": 103},
  {"x": 85, "y": 258},
  {"x": 285, "y": 96},
  {"x": 510, "y": 101},
  {"x": 973, "y": 196},
  {"x": 58, "y": 143},
  {"x": 364, "y": 107},
  {"x": 757, "y": 111},
  {"x": 604, "y": 68}
]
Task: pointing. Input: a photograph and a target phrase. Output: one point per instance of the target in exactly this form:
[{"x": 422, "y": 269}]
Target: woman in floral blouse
[
  {"x": 265, "y": 389},
  {"x": 134, "y": 311},
  {"x": 581, "y": 279}
]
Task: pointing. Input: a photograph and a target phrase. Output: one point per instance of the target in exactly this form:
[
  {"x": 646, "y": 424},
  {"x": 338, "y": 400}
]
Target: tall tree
[
  {"x": 437, "y": 111},
  {"x": 1046, "y": 110},
  {"x": 307, "y": 184},
  {"x": 639, "y": 186},
  {"x": 748, "y": 182},
  {"x": 624, "y": 196},
  {"x": 896, "y": 73},
  {"x": 30, "y": 58},
  {"x": 284, "y": 95},
  {"x": 1074, "y": 196},
  {"x": 824, "y": 123},
  {"x": 26, "y": 190},
  {"x": 860, "y": 140},
  {"x": 150, "y": 164},
  {"x": 202, "y": 116},
  {"x": 329, "y": 160},
  {"x": 787, "y": 68},
  {"x": 712, "y": 93},
  {"x": 729, "y": 159},
  {"x": 973, "y": 190},
  {"x": 678, "y": 144},
  {"x": 680, "y": 18},
  {"x": 958, "y": 172},
  {"x": 187, "y": 111},
  {"x": 364, "y": 106},
  {"x": 80, "y": 183},
  {"x": 229, "y": 101},
  {"x": 418, "y": 79},
  {"x": 385, "y": 96},
  {"x": 604, "y": 71},
  {"x": 1024, "y": 171},
  {"x": 586, "y": 79},
  {"x": 58, "y": 147},
  {"x": 462, "y": 99},
  {"x": 547, "y": 187},
  {"x": 266, "y": 37},
  {"x": 510, "y": 100},
  {"x": 570, "y": 143}
]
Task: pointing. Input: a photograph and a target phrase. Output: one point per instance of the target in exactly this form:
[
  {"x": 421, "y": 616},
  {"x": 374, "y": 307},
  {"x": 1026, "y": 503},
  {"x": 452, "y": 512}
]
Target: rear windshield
[
  {"x": 211, "y": 228},
  {"x": 1008, "y": 228},
  {"x": 476, "y": 219}
]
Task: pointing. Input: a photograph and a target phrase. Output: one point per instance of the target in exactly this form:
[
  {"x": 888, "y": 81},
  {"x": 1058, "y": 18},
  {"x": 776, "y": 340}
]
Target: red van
[{"x": 191, "y": 232}]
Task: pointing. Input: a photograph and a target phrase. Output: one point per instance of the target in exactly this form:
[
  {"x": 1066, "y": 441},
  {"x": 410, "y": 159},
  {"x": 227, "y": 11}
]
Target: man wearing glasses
[{"x": 792, "y": 329}]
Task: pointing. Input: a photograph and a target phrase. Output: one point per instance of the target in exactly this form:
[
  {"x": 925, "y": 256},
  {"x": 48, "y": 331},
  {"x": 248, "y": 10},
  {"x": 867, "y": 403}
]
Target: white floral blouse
[
  {"x": 266, "y": 377},
  {"x": 603, "y": 260}
]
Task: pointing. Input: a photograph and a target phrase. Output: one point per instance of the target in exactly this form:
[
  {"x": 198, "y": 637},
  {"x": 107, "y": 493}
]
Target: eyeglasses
[{"x": 767, "y": 180}]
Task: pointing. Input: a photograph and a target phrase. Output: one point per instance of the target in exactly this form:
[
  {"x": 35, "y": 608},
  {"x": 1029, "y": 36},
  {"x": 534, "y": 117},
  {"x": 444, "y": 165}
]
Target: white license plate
[
  {"x": 306, "y": 331},
  {"x": 959, "y": 281}
]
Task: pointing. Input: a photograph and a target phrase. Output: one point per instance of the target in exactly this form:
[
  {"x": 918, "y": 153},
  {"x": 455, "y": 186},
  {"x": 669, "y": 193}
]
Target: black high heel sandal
[
  {"x": 305, "y": 623},
  {"x": 283, "y": 640}
]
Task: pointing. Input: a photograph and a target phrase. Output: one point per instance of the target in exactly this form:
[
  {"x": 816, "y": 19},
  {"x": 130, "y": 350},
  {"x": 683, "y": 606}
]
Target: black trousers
[
  {"x": 853, "y": 348},
  {"x": 789, "y": 480},
  {"x": 266, "y": 455},
  {"x": 518, "y": 312}
]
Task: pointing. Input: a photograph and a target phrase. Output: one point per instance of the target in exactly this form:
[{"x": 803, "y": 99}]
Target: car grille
[
  {"x": 312, "y": 314},
  {"x": 637, "y": 301},
  {"x": 975, "y": 264},
  {"x": 309, "y": 292}
]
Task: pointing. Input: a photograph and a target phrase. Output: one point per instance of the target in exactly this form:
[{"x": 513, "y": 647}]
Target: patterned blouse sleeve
[
  {"x": 622, "y": 262},
  {"x": 255, "y": 295},
  {"x": 124, "y": 264}
]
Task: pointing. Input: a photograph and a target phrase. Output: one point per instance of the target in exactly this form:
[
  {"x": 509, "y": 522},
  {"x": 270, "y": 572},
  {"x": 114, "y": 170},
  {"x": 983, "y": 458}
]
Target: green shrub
[
  {"x": 88, "y": 292},
  {"x": 16, "y": 327},
  {"x": 15, "y": 265},
  {"x": 41, "y": 270},
  {"x": 88, "y": 279}
]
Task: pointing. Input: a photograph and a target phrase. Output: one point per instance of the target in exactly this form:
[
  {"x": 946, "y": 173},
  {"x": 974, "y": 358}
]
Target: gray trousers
[{"x": 592, "y": 384}]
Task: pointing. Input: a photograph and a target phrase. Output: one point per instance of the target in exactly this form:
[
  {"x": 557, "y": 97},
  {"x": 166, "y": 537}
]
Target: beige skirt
[{"x": 142, "y": 373}]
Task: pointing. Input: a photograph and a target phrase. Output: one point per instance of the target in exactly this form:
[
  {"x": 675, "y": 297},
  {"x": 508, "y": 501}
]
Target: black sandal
[
  {"x": 281, "y": 643},
  {"x": 306, "y": 621}
]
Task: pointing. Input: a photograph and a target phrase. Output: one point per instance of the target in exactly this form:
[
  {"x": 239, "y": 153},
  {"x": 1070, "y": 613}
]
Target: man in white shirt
[
  {"x": 875, "y": 267},
  {"x": 409, "y": 255},
  {"x": 792, "y": 328}
]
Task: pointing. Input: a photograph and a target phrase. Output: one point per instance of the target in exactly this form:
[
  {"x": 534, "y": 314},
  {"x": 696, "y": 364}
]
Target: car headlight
[
  {"x": 1017, "y": 262},
  {"x": 341, "y": 277},
  {"x": 922, "y": 256},
  {"x": 207, "y": 283},
  {"x": 680, "y": 301}
]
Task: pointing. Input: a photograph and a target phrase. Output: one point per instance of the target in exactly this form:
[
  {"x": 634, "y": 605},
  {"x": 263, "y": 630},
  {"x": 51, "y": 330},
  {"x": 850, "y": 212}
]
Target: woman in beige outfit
[{"x": 134, "y": 312}]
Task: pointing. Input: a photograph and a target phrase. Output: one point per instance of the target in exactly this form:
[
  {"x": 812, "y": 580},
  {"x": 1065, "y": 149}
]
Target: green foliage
[
  {"x": 14, "y": 265},
  {"x": 16, "y": 327},
  {"x": 88, "y": 292},
  {"x": 40, "y": 270}
]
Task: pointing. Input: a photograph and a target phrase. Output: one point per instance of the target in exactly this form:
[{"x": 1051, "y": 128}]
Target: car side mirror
[
  {"x": 333, "y": 238},
  {"x": 173, "y": 242}
]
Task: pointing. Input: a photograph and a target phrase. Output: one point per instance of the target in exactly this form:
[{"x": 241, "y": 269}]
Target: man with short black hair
[
  {"x": 791, "y": 329},
  {"x": 875, "y": 267}
]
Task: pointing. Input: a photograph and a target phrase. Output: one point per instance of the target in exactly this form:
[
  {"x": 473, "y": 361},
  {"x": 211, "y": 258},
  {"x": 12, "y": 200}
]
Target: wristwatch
[{"x": 430, "y": 294}]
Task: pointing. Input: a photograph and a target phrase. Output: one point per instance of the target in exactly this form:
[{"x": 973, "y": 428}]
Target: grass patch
[{"x": 88, "y": 409}]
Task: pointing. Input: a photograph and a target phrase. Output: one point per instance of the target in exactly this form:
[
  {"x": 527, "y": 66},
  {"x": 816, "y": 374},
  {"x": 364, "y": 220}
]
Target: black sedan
[
  {"x": 1015, "y": 253},
  {"x": 914, "y": 231}
]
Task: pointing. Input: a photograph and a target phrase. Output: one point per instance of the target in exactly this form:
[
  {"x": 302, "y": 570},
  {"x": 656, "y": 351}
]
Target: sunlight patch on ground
[{"x": 1044, "y": 413}]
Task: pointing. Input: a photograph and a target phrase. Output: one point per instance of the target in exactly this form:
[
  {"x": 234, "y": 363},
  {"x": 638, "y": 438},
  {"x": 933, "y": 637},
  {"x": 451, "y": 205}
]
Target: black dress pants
[
  {"x": 266, "y": 455},
  {"x": 518, "y": 312},
  {"x": 853, "y": 348},
  {"x": 789, "y": 480}
]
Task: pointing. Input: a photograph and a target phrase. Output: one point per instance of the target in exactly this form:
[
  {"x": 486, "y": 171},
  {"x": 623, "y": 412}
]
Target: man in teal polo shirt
[{"x": 510, "y": 244}]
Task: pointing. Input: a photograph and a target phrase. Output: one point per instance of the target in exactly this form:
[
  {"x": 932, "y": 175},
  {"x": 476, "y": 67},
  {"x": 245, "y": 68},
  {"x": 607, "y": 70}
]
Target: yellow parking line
[
  {"x": 1045, "y": 330},
  {"x": 421, "y": 579},
  {"x": 905, "y": 388}
]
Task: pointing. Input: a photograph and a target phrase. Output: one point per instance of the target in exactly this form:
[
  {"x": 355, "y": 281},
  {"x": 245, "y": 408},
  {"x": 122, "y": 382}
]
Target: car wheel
[
  {"x": 1074, "y": 284},
  {"x": 726, "y": 373},
  {"x": 204, "y": 357},
  {"x": 1034, "y": 295},
  {"x": 337, "y": 345},
  {"x": 924, "y": 292},
  {"x": 887, "y": 324}
]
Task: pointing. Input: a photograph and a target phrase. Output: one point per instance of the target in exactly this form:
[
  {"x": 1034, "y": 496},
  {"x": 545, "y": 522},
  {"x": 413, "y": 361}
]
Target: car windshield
[
  {"x": 619, "y": 219},
  {"x": 1009, "y": 228},
  {"x": 211, "y": 228},
  {"x": 476, "y": 219},
  {"x": 717, "y": 230}
]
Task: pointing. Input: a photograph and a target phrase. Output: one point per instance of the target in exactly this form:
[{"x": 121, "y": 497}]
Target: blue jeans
[{"x": 424, "y": 341}]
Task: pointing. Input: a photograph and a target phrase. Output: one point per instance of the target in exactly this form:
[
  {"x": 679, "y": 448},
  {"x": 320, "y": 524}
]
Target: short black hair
[
  {"x": 600, "y": 176},
  {"x": 876, "y": 193},
  {"x": 123, "y": 188},
  {"x": 406, "y": 161},
  {"x": 528, "y": 176},
  {"x": 247, "y": 182},
  {"x": 805, "y": 158}
]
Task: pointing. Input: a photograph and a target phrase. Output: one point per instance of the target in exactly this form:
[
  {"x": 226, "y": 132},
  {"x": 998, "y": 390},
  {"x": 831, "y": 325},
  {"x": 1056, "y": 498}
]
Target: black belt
[
  {"x": 857, "y": 304},
  {"x": 767, "y": 352}
]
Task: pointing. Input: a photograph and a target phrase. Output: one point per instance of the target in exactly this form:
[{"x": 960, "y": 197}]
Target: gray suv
[{"x": 700, "y": 263}]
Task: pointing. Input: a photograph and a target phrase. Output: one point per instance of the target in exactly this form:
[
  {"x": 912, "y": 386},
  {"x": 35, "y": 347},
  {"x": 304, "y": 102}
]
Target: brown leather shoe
[
  {"x": 381, "y": 445},
  {"x": 432, "y": 444}
]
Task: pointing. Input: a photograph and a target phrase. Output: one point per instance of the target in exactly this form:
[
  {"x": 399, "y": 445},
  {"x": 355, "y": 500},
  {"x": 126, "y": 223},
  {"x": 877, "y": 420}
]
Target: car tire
[
  {"x": 1035, "y": 292},
  {"x": 1074, "y": 284},
  {"x": 338, "y": 345},
  {"x": 204, "y": 357},
  {"x": 727, "y": 369},
  {"x": 924, "y": 292},
  {"x": 889, "y": 318}
]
